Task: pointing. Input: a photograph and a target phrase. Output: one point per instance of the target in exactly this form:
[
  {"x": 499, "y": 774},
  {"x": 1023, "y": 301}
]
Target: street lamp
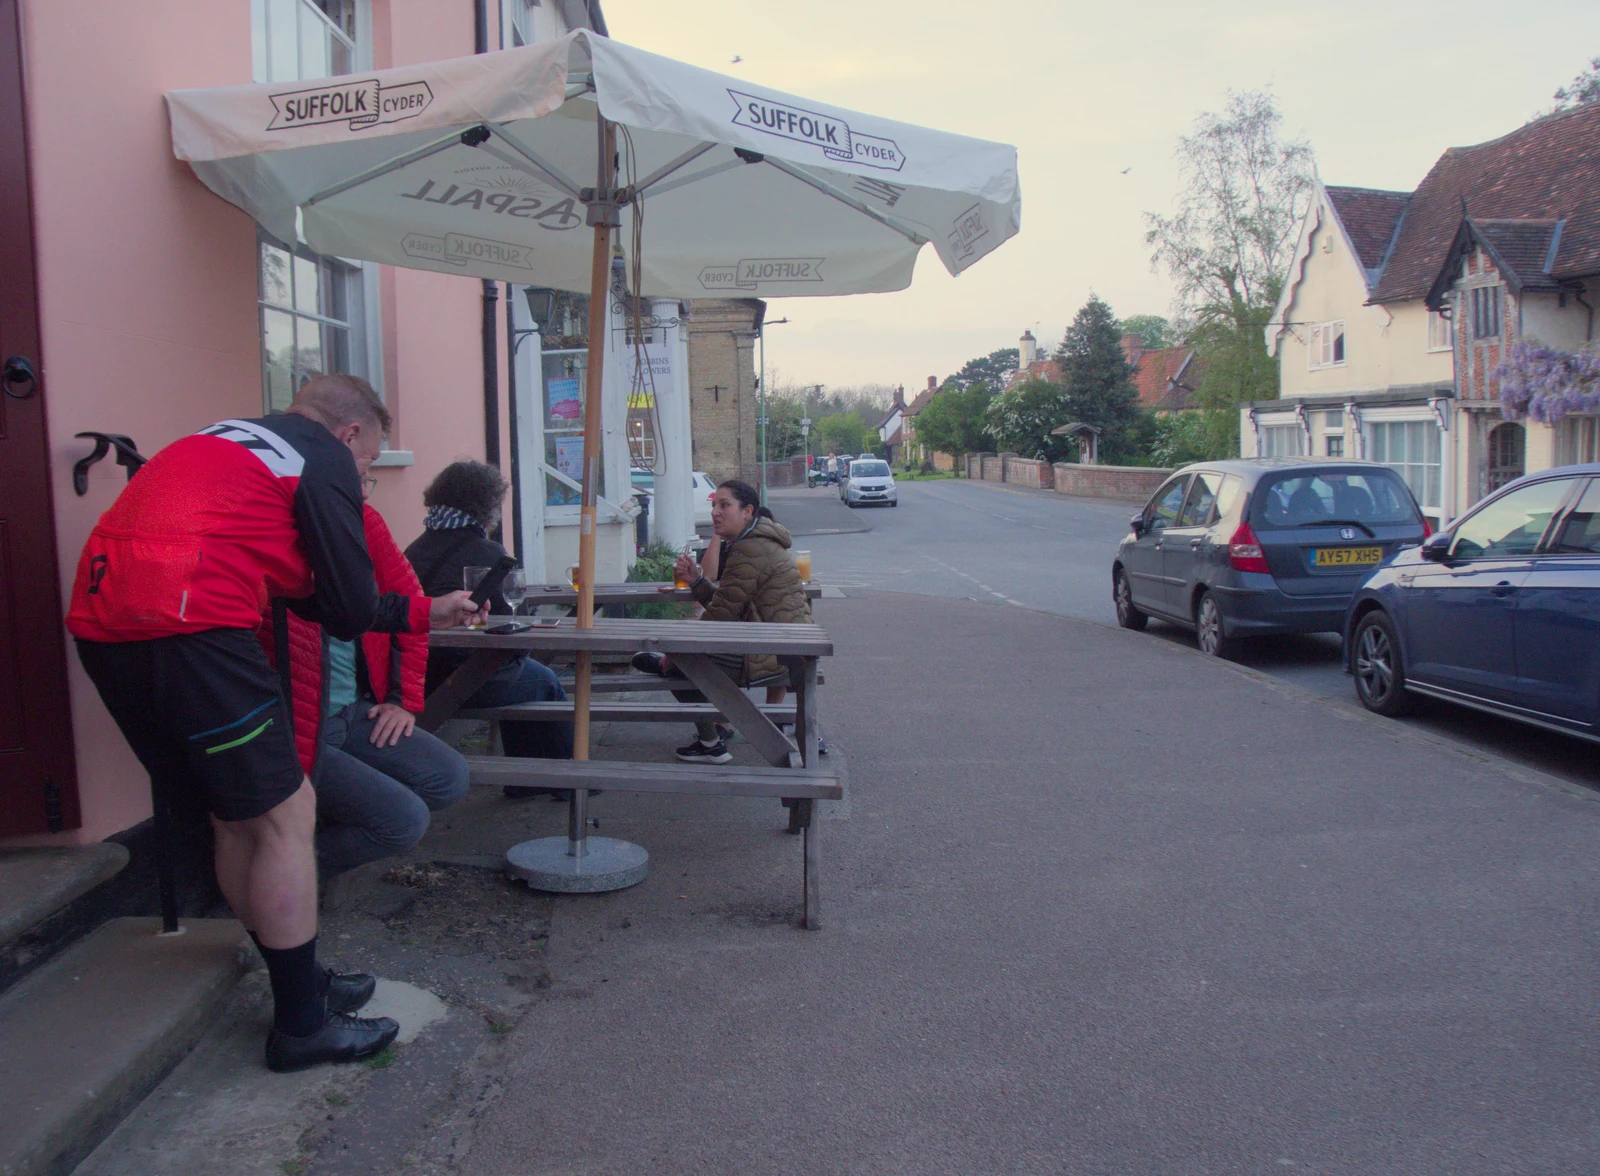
[{"x": 763, "y": 419}]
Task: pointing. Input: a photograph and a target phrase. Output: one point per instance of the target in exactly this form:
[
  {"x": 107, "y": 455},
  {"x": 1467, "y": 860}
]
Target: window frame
[
  {"x": 365, "y": 324},
  {"x": 1485, "y": 302},
  {"x": 1189, "y": 497},
  {"x": 1449, "y": 329},
  {"x": 1328, "y": 337},
  {"x": 1374, "y": 427},
  {"x": 1541, "y": 546},
  {"x": 1150, "y": 507},
  {"x": 1272, "y": 428}
]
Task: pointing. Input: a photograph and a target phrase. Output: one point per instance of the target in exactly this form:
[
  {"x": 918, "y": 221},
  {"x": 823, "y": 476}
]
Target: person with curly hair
[{"x": 463, "y": 506}]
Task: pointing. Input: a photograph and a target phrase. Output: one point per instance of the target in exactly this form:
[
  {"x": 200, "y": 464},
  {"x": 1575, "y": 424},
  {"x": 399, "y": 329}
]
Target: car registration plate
[{"x": 1346, "y": 557}]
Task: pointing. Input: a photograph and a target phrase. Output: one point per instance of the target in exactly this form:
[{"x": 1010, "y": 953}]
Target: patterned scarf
[{"x": 447, "y": 518}]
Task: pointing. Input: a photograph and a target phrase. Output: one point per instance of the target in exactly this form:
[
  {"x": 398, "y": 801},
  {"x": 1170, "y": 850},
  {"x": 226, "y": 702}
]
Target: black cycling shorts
[{"x": 204, "y": 713}]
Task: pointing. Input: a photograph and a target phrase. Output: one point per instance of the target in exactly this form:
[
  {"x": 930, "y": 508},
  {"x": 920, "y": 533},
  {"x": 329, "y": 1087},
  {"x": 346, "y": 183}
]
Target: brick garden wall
[
  {"x": 1037, "y": 475},
  {"x": 1130, "y": 483},
  {"x": 786, "y": 473}
]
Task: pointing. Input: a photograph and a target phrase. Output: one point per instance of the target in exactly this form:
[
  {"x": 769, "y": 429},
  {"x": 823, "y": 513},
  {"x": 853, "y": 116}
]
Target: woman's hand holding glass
[{"x": 685, "y": 571}]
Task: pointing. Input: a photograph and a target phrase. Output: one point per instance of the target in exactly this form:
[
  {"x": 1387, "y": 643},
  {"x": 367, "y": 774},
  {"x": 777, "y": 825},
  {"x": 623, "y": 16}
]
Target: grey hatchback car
[{"x": 1261, "y": 545}]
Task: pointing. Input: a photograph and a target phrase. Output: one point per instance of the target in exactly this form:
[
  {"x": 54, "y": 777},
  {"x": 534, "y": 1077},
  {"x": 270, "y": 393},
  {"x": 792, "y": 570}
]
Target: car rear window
[
  {"x": 1329, "y": 497},
  {"x": 869, "y": 469}
]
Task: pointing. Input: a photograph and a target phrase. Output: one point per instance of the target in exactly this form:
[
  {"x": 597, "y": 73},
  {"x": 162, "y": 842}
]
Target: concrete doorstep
[{"x": 89, "y": 1034}]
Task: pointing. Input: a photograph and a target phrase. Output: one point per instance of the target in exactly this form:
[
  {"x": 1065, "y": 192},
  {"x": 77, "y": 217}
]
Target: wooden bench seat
[
  {"x": 620, "y": 683},
  {"x": 619, "y": 712},
  {"x": 633, "y": 776}
]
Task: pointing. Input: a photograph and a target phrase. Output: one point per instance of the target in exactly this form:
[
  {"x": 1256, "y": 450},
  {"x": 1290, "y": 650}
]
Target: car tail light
[
  {"x": 1426, "y": 530},
  {"x": 1244, "y": 551}
]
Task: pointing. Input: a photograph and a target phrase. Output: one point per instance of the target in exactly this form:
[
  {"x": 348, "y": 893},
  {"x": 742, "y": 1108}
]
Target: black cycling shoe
[
  {"x": 342, "y": 1038},
  {"x": 347, "y": 991},
  {"x": 648, "y": 663}
]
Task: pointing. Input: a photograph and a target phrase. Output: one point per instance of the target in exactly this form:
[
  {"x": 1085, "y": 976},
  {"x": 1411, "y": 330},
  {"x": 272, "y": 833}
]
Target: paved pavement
[
  {"x": 1081, "y": 918},
  {"x": 1044, "y": 551}
]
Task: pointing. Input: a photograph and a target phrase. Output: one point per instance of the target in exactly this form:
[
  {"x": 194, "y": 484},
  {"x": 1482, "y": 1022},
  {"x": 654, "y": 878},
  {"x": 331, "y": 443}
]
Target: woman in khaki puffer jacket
[{"x": 758, "y": 582}]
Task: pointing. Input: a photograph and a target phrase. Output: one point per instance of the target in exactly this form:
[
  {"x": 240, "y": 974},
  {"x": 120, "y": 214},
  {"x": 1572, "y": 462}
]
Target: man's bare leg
[{"x": 283, "y": 872}]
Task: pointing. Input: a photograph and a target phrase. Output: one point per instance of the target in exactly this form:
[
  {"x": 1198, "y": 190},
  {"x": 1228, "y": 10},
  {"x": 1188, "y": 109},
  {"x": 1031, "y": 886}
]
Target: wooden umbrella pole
[{"x": 599, "y": 301}]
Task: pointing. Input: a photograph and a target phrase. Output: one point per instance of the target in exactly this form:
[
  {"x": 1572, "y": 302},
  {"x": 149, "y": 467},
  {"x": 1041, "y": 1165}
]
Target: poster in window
[{"x": 565, "y": 408}]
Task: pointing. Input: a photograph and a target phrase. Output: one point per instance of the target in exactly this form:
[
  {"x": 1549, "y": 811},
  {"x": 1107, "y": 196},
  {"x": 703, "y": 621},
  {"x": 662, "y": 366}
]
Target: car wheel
[
  {"x": 1128, "y": 616},
  {"x": 1379, "y": 673},
  {"x": 1213, "y": 640}
]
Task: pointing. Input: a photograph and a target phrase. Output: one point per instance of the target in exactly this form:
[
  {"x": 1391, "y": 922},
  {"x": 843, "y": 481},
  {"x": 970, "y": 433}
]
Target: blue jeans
[
  {"x": 526, "y": 680},
  {"x": 374, "y": 801}
]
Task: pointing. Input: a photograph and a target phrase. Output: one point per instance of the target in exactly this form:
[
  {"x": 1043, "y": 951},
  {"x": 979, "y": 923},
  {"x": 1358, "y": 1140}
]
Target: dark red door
[{"x": 38, "y": 782}]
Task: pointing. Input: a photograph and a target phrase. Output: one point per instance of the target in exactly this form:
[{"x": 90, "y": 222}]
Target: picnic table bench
[{"x": 794, "y": 774}]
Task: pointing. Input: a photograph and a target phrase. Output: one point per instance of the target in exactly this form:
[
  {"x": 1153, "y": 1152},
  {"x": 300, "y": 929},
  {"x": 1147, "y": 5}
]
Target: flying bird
[
  {"x": 737, "y": 59},
  {"x": 1126, "y": 170}
]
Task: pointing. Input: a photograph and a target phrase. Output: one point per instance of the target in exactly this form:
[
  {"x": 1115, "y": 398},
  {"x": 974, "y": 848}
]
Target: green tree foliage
[
  {"x": 1229, "y": 244},
  {"x": 783, "y": 428},
  {"x": 991, "y": 369},
  {"x": 1019, "y": 419},
  {"x": 1581, "y": 89},
  {"x": 1154, "y": 330},
  {"x": 1098, "y": 385},
  {"x": 953, "y": 421},
  {"x": 844, "y": 433}
]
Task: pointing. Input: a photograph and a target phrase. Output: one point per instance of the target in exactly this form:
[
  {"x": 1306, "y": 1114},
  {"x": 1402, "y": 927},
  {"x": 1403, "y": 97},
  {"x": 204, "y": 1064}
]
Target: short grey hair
[
  {"x": 470, "y": 486},
  {"x": 338, "y": 400}
]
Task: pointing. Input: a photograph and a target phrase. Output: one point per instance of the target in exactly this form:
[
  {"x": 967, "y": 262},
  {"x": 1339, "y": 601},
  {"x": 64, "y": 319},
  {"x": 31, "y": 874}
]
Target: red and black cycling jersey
[{"x": 217, "y": 524}]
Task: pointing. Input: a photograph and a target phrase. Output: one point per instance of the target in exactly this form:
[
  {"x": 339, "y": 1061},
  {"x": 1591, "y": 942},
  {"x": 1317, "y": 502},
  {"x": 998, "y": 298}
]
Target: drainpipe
[
  {"x": 1588, "y": 331},
  {"x": 491, "y": 296}
]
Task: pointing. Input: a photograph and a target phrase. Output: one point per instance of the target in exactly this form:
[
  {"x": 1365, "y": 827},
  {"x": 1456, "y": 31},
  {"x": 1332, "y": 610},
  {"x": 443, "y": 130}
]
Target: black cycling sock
[{"x": 298, "y": 1009}]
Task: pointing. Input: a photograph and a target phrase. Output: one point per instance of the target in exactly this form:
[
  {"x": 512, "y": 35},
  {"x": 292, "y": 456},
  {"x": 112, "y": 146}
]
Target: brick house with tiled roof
[
  {"x": 1399, "y": 305},
  {"x": 1164, "y": 377}
]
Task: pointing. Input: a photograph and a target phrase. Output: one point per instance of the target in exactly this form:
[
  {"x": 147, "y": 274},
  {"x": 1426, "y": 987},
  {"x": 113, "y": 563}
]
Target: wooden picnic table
[
  {"x": 645, "y": 592},
  {"x": 795, "y": 773}
]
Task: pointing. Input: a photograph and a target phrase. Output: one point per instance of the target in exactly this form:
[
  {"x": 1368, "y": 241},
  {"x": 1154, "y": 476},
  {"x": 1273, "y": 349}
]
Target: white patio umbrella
[{"x": 488, "y": 165}]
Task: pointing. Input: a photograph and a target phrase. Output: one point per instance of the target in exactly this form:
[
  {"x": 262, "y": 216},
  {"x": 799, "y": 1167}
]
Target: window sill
[{"x": 395, "y": 457}]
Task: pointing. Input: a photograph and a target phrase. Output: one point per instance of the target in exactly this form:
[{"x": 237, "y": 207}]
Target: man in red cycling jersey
[{"x": 244, "y": 518}]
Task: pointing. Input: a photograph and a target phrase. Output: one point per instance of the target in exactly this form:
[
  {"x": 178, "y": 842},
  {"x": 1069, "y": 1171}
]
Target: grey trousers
[{"x": 375, "y": 801}]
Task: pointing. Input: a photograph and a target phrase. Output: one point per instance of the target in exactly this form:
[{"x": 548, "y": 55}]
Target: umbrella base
[{"x": 608, "y": 864}]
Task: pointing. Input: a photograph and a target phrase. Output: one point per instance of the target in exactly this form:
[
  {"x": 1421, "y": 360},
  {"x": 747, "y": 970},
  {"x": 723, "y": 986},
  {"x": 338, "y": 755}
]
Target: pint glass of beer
[{"x": 802, "y": 561}]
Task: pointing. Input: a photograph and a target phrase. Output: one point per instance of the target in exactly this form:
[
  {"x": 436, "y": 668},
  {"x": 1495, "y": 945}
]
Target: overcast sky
[{"x": 1378, "y": 87}]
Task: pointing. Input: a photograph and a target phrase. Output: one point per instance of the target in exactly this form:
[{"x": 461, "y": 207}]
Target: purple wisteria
[{"x": 1546, "y": 385}]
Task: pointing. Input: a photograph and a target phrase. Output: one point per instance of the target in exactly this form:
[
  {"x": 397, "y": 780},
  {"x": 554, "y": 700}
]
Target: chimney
[
  {"x": 1027, "y": 350},
  {"x": 1132, "y": 349},
  {"x": 899, "y": 397},
  {"x": 933, "y": 383}
]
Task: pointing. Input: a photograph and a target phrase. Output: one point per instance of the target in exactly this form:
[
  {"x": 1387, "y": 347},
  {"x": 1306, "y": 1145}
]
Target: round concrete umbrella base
[{"x": 607, "y": 864}]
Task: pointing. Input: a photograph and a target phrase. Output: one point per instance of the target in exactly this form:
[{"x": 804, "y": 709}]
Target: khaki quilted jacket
[{"x": 759, "y": 582}]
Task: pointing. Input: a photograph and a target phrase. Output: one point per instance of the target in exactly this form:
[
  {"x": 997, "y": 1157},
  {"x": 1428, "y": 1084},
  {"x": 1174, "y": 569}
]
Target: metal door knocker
[{"x": 18, "y": 370}]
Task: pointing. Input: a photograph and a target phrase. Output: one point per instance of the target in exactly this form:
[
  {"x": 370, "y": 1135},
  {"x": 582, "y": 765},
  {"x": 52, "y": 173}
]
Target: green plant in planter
[{"x": 655, "y": 564}]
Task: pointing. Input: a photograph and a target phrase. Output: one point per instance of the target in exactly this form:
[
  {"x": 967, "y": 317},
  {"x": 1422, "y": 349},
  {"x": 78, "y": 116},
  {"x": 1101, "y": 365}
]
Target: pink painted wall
[{"x": 147, "y": 287}]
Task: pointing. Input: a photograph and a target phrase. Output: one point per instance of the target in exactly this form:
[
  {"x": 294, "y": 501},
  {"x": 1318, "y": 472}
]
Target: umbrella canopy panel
[{"x": 479, "y": 166}]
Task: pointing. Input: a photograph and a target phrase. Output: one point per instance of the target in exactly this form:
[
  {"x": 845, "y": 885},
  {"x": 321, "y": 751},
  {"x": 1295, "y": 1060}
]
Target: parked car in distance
[
  {"x": 1499, "y": 611},
  {"x": 701, "y": 493},
  {"x": 870, "y": 482},
  {"x": 1261, "y": 545}
]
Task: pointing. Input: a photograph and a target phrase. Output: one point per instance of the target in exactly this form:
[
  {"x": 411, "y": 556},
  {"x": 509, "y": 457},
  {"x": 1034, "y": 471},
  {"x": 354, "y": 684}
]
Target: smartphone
[
  {"x": 510, "y": 627},
  {"x": 490, "y": 584}
]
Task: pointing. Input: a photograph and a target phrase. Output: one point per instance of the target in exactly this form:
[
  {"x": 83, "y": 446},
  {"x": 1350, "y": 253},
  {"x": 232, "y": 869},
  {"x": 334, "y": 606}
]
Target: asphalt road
[
  {"x": 1042, "y": 551},
  {"x": 1081, "y": 918}
]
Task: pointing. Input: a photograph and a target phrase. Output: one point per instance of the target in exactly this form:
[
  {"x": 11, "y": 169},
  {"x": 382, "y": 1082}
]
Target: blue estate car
[{"x": 1500, "y": 611}]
